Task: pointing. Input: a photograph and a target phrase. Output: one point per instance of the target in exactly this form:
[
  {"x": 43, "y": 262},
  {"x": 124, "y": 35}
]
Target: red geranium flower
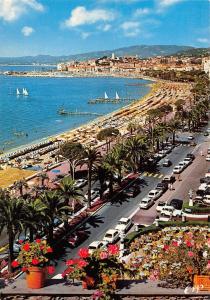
[
  {"x": 166, "y": 247},
  {"x": 38, "y": 241},
  {"x": 51, "y": 270},
  {"x": 15, "y": 264},
  {"x": 26, "y": 247},
  {"x": 49, "y": 250},
  {"x": 103, "y": 255},
  {"x": 189, "y": 244},
  {"x": 190, "y": 254},
  {"x": 113, "y": 249},
  {"x": 70, "y": 262},
  {"x": 35, "y": 261},
  {"x": 24, "y": 269},
  {"x": 83, "y": 252},
  {"x": 175, "y": 243},
  {"x": 82, "y": 263}
]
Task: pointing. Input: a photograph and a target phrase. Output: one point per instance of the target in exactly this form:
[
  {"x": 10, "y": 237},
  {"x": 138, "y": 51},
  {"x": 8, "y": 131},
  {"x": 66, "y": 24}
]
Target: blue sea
[{"x": 24, "y": 120}]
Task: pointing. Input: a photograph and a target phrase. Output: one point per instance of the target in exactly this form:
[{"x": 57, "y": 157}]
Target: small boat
[
  {"x": 117, "y": 96},
  {"x": 25, "y": 92},
  {"x": 17, "y": 92},
  {"x": 105, "y": 96}
]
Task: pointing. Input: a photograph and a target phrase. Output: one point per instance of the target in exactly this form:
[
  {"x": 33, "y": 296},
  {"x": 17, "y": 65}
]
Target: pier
[
  {"x": 77, "y": 113},
  {"x": 111, "y": 101}
]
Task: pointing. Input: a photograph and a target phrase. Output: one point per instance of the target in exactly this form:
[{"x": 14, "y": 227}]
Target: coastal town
[{"x": 104, "y": 150}]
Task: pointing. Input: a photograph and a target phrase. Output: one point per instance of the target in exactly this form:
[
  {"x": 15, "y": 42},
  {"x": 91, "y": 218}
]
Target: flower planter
[
  {"x": 35, "y": 277},
  {"x": 88, "y": 282}
]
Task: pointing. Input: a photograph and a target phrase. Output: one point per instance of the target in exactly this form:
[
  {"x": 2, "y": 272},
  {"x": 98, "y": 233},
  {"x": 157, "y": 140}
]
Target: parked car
[
  {"x": 94, "y": 194},
  {"x": 190, "y": 137},
  {"x": 177, "y": 204},
  {"x": 96, "y": 245},
  {"x": 155, "y": 194},
  {"x": 169, "y": 179},
  {"x": 160, "y": 205},
  {"x": 208, "y": 157},
  {"x": 187, "y": 160},
  {"x": 182, "y": 164},
  {"x": 163, "y": 218},
  {"x": 208, "y": 151},
  {"x": 177, "y": 169},
  {"x": 111, "y": 236},
  {"x": 146, "y": 202},
  {"x": 167, "y": 163},
  {"x": 167, "y": 210},
  {"x": 206, "y": 133},
  {"x": 79, "y": 183},
  {"x": 192, "y": 156},
  {"x": 162, "y": 186},
  {"x": 77, "y": 238},
  {"x": 132, "y": 191},
  {"x": 123, "y": 224},
  {"x": 205, "y": 180}
]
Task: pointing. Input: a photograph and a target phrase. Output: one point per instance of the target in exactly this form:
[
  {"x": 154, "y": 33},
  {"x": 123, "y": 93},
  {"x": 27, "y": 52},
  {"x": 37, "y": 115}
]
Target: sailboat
[
  {"x": 117, "y": 96},
  {"x": 17, "y": 92},
  {"x": 25, "y": 92},
  {"x": 105, "y": 96}
]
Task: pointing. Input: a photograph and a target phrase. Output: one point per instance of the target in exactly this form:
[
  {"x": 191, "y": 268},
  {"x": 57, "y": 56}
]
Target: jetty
[
  {"x": 64, "y": 112},
  {"x": 106, "y": 99}
]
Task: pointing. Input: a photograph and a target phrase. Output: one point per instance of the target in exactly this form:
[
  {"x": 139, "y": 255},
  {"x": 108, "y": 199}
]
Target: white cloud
[
  {"x": 167, "y": 3},
  {"x": 106, "y": 27},
  {"x": 131, "y": 28},
  {"x": 141, "y": 12},
  {"x": 81, "y": 16},
  {"x": 27, "y": 31},
  {"x": 203, "y": 40},
  {"x": 11, "y": 10},
  {"x": 85, "y": 35}
]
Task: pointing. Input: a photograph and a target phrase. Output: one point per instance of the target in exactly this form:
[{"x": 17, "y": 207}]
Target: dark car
[
  {"x": 205, "y": 180},
  {"x": 132, "y": 191},
  {"x": 176, "y": 203},
  {"x": 192, "y": 156},
  {"x": 162, "y": 186},
  {"x": 167, "y": 163},
  {"x": 206, "y": 133}
]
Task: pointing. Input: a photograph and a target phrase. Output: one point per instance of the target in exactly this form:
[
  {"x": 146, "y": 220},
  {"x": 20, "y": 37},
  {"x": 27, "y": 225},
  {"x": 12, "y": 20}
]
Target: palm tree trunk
[
  {"x": 50, "y": 233},
  {"x": 11, "y": 256},
  {"x": 31, "y": 232},
  {"x": 173, "y": 137},
  {"x": 111, "y": 185},
  {"x": 89, "y": 177}
]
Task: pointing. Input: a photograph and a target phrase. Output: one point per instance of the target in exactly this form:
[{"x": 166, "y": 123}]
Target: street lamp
[
  {"x": 122, "y": 243},
  {"x": 191, "y": 197}
]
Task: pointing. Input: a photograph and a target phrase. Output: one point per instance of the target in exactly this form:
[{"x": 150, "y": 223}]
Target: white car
[
  {"x": 208, "y": 157},
  {"x": 190, "y": 137},
  {"x": 96, "y": 245},
  {"x": 162, "y": 153},
  {"x": 160, "y": 205},
  {"x": 187, "y": 160},
  {"x": 123, "y": 224},
  {"x": 163, "y": 218},
  {"x": 177, "y": 169},
  {"x": 111, "y": 236},
  {"x": 146, "y": 202},
  {"x": 80, "y": 183},
  {"x": 94, "y": 194},
  {"x": 167, "y": 210},
  {"x": 183, "y": 164},
  {"x": 155, "y": 194}
]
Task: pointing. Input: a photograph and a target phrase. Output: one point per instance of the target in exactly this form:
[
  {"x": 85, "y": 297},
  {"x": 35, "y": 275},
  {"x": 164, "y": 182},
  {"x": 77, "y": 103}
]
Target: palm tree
[
  {"x": 173, "y": 126},
  {"x": 21, "y": 185},
  {"x": 43, "y": 176},
  {"x": 68, "y": 191},
  {"x": 55, "y": 208},
  {"x": 136, "y": 150},
  {"x": 91, "y": 158},
  {"x": 118, "y": 154},
  {"x": 12, "y": 216},
  {"x": 36, "y": 215},
  {"x": 108, "y": 134}
]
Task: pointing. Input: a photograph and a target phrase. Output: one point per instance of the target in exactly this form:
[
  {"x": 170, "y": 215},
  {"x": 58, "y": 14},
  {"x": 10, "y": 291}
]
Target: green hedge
[
  {"x": 134, "y": 234},
  {"x": 196, "y": 209}
]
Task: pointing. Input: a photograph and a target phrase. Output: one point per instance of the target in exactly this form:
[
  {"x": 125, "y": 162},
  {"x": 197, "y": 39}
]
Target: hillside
[
  {"x": 194, "y": 52},
  {"x": 140, "y": 50}
]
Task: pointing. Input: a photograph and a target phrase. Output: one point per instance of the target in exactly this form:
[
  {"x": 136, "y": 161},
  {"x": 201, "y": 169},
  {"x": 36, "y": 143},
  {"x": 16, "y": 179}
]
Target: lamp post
[
  {"x": 191, "y": 197},
  {"x": 122, "y": 244}
]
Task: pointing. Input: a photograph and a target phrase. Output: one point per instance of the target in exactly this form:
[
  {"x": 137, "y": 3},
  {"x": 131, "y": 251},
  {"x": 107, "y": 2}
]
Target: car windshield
[
  {"x": 161, "y": 204},
  {"x": 108, "y": 235},
  {"x": 122, "y": 222},
  {"x": 92, "y": 247},
  {"x": 144, "y": 201}
]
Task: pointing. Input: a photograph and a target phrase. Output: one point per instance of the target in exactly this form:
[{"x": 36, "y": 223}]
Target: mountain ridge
[{"x": 142, "y": 51}]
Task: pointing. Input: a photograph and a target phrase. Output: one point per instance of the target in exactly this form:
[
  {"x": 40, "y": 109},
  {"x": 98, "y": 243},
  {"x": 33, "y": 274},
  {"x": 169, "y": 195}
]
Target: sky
[{"x": 64, "y": 27}]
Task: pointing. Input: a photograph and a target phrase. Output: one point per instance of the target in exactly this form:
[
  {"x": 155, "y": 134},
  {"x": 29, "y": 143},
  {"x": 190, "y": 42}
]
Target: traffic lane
[
  {"x": 190, "y": 180},
  {"x": 106, "y": 218}
]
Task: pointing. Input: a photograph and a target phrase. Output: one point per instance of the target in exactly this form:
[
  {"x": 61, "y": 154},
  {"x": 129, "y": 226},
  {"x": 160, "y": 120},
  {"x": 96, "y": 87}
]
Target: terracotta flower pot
[
  {"x": 35, "y": 277},
  {"x": 88, "y": 282}
]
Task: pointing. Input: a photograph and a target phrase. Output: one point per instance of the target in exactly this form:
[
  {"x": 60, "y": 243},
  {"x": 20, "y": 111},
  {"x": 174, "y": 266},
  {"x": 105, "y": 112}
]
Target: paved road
[{"x": 107, "y": 217}]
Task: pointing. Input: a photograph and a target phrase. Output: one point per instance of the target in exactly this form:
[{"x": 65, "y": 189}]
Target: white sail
[
  {"x": 105, "y": 96},
  {"x": 17, "y": 92},
  {"x": 25, "y": 92},
  {"x": 117, "y": 96}
]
